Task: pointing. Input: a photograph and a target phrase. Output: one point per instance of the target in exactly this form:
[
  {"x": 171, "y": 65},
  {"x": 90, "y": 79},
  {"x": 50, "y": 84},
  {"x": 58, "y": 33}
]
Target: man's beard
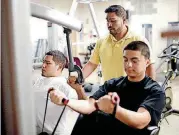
[
  {"x": 115, "y": 32},
  {"x": 42, "y": 74}
]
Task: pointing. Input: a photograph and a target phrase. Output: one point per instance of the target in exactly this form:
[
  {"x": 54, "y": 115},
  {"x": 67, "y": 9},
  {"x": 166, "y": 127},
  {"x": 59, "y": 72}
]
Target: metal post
[
  {"x": 73, "y": 8},
  {"x": 17, "y": 95},
  {"x": 178, "y": 10},
  {"x": 93, "y": 15},
  {"x": 53, "y": 36}
]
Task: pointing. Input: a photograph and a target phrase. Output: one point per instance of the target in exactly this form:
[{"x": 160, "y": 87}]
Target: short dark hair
[
  {"x": 118, "y": 9},
  {"x": 58, "y": 57},
  {"x": 139, "y": 46}
]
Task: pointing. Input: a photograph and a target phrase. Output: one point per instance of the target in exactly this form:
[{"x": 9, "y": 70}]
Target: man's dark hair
[
  {"x": 58, "y": 57},
  {"x": 139, "y": 46},
  {"x": 118, "y": 9}
]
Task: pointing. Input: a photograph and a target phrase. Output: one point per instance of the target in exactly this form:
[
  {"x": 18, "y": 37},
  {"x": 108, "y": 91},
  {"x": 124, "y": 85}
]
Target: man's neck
[
  {"x": 57, "y": 75},
  {"x": 137, "y": 78},
  {"x": 121, "y": 34}
]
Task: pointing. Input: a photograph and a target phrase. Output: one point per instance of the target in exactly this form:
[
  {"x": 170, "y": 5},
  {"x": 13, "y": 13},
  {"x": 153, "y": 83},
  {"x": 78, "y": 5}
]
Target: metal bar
[
  {"x": 18, "y": 101},
  {"x": 71, "y": 61},
  {"x": 166, "y": 79},
  {"x": 73, "y": 8},
  {"x": 90, "y": 1},
  {"x": 175, "y": 112},
  {"x": 178, "y": 11},
  {"x": 93, "y": 15},
  {"x": 55, "y": 16}
]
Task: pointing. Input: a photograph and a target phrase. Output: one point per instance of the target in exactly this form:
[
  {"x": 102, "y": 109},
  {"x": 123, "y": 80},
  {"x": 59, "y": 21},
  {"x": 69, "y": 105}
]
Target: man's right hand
[
  {"x": 72, "y": 82},
  {"x": 57, "y": 96},
  {"x": 114, "y": 97}
]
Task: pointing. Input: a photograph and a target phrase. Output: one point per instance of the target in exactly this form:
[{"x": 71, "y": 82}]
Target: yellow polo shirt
[{"x": 109, "y": 53}]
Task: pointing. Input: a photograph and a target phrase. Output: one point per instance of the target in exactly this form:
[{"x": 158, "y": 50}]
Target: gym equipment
[
  {"x": 88, "y": 87},
  {"x": 171, "y": 59},
  {"x": 41, "y": 49},
  {"x": 55, "y": 16},
  {"x": 56, "y": 125},
  {"x": 17, "y": 106},
  {"x": 89, "y": 3},
  {"x": 16, "y": 48},
  {"x": 64, "y": 20},
  {"x": 88, "y": 54},
  {"x": 76, "y": 61},
  {"x": 71, "y": 66}
]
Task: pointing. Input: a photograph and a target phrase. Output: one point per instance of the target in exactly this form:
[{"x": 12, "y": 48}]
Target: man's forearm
[
  {"x": 82, "y": 106},
  {"x": 81, "y": 94},
  {"x": 88, "y": 69},
  {"x": 131, "y": 118},
  {"x": 150, "y": 71}
]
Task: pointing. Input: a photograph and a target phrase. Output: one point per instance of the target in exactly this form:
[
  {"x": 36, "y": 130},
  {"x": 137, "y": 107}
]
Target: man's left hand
[{"x": 105, "y": 104}]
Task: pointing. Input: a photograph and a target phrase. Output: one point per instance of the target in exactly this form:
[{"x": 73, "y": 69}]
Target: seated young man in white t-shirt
[{"x": 53, "y": 65}]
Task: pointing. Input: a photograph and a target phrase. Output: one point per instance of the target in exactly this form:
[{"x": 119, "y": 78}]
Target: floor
[{"x": 166, "y": 129}]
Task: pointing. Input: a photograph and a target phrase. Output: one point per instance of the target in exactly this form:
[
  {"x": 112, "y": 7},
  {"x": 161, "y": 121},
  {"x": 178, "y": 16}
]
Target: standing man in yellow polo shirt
[{"x": 108, "y": 51}]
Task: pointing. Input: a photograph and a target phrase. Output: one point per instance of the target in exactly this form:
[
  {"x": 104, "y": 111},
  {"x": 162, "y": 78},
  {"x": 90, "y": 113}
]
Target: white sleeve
[{"x": 67, "y": 90}]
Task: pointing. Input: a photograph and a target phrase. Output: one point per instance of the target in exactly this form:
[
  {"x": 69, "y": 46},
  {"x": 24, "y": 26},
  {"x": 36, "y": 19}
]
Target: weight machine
[
  {"x": 17, "y": 104},
  {"x": 171, "y": 56}
]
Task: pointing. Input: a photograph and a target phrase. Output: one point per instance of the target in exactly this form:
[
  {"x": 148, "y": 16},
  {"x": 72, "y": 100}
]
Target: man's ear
[
  {"x": 124, "y": 21},
  {"x": 59, "y": 66},
  {"x": 148, "y": 62}
]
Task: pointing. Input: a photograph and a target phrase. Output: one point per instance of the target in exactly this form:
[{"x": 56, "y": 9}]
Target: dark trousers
[
  {"x": 98, "y": 123},
  {"x": 93, "y": 124}
]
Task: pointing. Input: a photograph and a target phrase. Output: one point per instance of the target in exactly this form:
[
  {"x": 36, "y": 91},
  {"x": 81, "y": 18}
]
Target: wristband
[
  {"x": 65, "y": 101},
  {"x": 114, "y": 110},
  {"x": 96, "y": 105}
]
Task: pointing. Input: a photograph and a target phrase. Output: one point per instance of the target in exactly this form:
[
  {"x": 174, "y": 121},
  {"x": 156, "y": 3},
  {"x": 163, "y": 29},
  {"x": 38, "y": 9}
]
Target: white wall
[
  {"x": 167, "y": 11},
  {"x": 61, "y": 5}
]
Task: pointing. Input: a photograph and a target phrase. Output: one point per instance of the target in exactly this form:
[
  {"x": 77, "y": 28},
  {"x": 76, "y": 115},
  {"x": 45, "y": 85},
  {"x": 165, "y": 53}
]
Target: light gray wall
[{"x": 167, "y": 11}]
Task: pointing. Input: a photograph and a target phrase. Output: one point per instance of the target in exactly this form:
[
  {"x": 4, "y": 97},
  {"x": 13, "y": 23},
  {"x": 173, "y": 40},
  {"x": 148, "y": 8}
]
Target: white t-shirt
[{"x": 69, "y": 116}]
